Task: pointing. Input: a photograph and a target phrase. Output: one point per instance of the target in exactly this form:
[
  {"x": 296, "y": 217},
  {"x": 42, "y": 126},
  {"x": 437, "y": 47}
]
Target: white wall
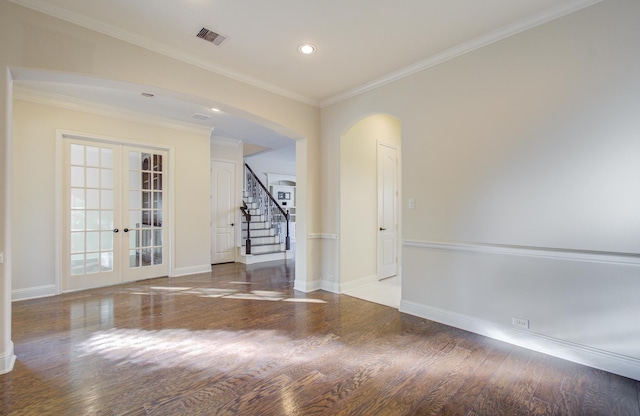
[
  {"x": 230, "y": 150},
  {"x": 522, "y": 157},
  {"x": 280, "y": 161},
  {"x": 7, "y": 356}
]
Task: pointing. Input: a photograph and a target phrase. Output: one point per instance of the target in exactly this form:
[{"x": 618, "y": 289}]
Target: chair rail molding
[
  {"x": 322, "y": 236},
  {"x": 542, "y": 252}
]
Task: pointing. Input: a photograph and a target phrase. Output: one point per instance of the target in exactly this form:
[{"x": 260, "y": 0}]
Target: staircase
[{"x": 264, "y": 224}]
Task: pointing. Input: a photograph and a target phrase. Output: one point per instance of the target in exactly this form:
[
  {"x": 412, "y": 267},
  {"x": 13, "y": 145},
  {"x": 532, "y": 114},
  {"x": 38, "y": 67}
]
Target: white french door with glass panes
[
  {"x": 113, "y": 215},
  {"x": 144, "y": 225}
]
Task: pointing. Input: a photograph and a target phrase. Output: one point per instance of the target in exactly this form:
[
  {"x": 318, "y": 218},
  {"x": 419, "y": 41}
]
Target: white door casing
[
  {"x": 223, "y": 211},
  {"x": 387, "y": 210},
  {"x": 113, "y": 212}
]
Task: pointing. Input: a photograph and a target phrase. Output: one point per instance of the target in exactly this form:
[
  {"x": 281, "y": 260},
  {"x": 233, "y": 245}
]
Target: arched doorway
[{"x": 364, "y": 227}]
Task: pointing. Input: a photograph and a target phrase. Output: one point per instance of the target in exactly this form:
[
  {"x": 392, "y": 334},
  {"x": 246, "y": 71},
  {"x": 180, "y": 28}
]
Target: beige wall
[
  {"x": 33, "y": 40},
  {"x": 522, "y": 157},
  {"x": 224, "y": 149},
  {"x": 359, "y": 196},
  {"x": 34, "y": 175},
  {"x": 526, "y": 148}
]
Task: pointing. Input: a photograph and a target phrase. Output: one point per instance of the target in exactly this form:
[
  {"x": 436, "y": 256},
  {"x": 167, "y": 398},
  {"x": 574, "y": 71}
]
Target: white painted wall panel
[{"x": 534, "y": 142}]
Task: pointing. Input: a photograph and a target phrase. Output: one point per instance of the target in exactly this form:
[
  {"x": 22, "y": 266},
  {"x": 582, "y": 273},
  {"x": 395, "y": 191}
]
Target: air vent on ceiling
[
  {"x": 199, "y": 116},
  {"x": 211, "y": 36}
]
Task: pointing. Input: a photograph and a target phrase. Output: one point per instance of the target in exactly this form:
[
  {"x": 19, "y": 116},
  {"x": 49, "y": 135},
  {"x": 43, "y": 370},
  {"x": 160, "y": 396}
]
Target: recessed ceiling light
[
  {"x": 217, "y": 110},
  {"x": 147, "y": 94},
  {"x": 306, "y": 49}
]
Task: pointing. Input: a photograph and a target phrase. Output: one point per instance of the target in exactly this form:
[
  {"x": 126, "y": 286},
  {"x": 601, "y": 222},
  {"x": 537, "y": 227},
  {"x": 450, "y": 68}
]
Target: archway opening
[{"x": 361, "y": 219}]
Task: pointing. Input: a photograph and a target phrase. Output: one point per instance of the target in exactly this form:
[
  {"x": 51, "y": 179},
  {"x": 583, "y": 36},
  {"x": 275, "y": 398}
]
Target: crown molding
[
  {"x": 504, "y": 32},
  {"x": 152, "y": 45},
  {"x": 225, "y": 141},
  {"x": 522, "y": 25},
  {"x": 91, "y": 107}
]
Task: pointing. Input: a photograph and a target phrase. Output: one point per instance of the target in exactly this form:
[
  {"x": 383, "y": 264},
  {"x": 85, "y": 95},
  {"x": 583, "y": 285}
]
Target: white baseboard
[
  {"x": 7, "y": 360},
  {"x": 332, "y": 287},
  {"x": 307, "y": 287},
  {"x": 185, "y": 271},
  {"x": 592, "y": 357},
  {"x": 261, "y": 258},
  {"x": 355, "y": 284},
  {"x": 33, "y": 292}
]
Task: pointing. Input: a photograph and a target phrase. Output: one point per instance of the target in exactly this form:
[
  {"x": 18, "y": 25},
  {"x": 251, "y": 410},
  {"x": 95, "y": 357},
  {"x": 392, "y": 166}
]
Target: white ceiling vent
[
  {"x": 211, "y": 36},
  {"x": 200, "y": 116}
]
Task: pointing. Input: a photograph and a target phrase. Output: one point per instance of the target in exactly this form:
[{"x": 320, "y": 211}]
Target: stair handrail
[
  {"x": 273, "y": 203},
  {"x": 266, "y": 190}
]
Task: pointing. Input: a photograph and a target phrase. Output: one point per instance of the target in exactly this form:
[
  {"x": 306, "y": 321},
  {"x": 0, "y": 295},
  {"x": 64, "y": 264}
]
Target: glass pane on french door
[
  {"x": 114, "y": 214},
  {"x": 145, "y": 216},
  {"x": 91, "y": 246}
]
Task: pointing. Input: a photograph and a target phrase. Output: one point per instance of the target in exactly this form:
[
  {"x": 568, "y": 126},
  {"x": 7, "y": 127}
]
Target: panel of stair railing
[{"x": 264, "y": 237}]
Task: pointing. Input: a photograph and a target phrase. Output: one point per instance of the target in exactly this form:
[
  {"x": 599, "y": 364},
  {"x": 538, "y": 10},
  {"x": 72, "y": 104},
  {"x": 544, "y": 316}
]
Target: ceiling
[
  {"x": 360, "y": 43},
  {"x": 126, "y": 100}
]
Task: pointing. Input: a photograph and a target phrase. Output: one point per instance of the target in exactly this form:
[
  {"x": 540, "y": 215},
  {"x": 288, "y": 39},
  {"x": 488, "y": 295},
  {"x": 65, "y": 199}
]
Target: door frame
[
  {"x": 237, "y": 192},
  {"x": 396, "y": 207},
  {"x": 58, "y": 209}
]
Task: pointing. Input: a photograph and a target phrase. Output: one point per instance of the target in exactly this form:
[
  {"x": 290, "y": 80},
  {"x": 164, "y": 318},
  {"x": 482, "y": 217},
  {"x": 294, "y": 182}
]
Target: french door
[{"x": 114, "y": 214}]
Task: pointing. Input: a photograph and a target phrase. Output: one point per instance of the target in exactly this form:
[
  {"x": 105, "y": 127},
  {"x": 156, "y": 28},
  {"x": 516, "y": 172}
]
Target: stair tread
[{"x": 260, "y": 225}]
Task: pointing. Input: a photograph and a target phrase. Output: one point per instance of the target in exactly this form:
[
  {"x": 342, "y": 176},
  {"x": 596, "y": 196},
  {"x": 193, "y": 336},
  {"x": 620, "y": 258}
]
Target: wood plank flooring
[{"x": 241, "y": 341}]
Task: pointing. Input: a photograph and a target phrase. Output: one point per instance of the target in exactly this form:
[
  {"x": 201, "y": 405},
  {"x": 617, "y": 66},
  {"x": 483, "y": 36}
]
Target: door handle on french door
[
  {"x": 115, "y": 230},
  {"x": 232, "y": 224},
  {"x": 126, "y": 230},
  {"x": 383, "y": 229}
]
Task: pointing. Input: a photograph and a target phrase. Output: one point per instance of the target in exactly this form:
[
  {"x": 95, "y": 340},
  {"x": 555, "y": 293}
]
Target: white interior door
[
  {"x": 112, "y": 216},
  {"x": 387, "y": 211},
  {"x": 224, "y": 211},
  {"x": 144, "y": 220},
  {"x": 91, "y": 243}
]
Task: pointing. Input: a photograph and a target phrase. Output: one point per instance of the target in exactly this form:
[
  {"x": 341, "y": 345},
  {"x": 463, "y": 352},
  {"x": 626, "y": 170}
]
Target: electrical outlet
[
  {"x": 1, "y": 257},
  {"x": 519, "y": 322},
  {"x": 412, "y": 203}
]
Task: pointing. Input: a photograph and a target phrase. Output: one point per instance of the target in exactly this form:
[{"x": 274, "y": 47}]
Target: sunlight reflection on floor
[
  {"x": 219, "y": 350},
  {"x": 183, "y": 348},
  {"x": 266, "y": 295}
]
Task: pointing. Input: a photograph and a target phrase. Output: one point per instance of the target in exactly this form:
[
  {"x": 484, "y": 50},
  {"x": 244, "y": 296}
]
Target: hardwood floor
[{"x": 241, "y": 341}]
